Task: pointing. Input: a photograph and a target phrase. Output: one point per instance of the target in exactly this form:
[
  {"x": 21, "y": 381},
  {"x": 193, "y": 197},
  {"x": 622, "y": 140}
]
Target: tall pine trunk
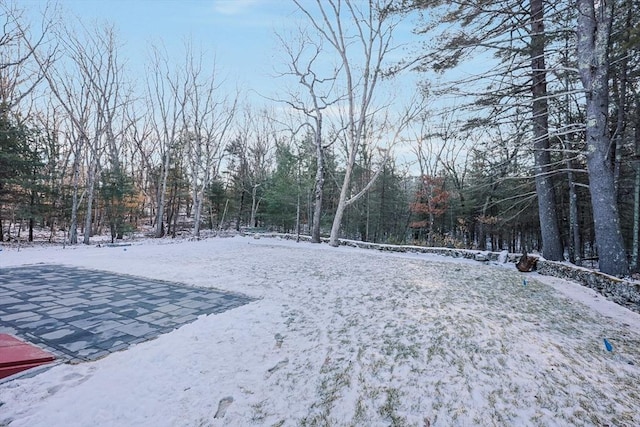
[
  {"x": 551, "y": 240},
  {"x": 240, "y": 208},
  {"x": 594, "y": 29},
  {"x": 575, "y": 245},
  {"x": 635, "y": 248},
  {"x": 636, "y": 220}
]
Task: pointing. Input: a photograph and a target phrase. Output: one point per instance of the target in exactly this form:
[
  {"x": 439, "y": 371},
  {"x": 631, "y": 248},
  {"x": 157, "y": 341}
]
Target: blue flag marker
[
  {"x": 608, "y": 345},
  {"x": 524, "y": 282}
]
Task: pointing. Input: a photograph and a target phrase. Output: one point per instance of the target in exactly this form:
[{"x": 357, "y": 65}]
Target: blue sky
[{"x": 238, "y": 33}]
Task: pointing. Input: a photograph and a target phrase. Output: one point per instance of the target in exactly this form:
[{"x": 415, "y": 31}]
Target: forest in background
[{"x": 538, "y": 153}]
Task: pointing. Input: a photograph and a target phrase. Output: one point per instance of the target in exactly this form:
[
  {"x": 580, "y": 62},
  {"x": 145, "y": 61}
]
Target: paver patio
[{"x": 80, "y": 314}]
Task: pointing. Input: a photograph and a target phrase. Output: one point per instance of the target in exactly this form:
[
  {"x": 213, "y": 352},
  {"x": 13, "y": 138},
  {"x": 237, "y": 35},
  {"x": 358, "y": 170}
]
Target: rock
[{"x": 480, "y": 257}]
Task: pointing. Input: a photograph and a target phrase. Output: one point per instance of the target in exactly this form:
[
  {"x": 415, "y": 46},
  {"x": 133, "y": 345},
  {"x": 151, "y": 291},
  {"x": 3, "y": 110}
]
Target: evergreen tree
[
  {"x": 216, "y": 198},
  {"x": 282, "y": 195},
  {"x": 117, "y": 192},
  {"x": 19, "y": 165}
]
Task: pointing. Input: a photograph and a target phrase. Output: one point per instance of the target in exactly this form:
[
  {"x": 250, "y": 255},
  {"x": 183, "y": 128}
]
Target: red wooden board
[{"x": 17, "y": 356}]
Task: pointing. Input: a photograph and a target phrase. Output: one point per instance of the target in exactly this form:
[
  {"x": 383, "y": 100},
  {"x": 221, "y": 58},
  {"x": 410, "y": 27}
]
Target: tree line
[{"x": 539, "y": 151}]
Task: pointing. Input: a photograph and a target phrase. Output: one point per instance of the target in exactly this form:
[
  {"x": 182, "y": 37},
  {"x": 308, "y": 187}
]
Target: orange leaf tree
[{"x": 432, "y": 200}]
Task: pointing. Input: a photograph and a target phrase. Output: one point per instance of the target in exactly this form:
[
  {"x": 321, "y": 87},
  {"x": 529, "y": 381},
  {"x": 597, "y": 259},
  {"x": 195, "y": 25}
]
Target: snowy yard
[{"x": 345, "y": 337}]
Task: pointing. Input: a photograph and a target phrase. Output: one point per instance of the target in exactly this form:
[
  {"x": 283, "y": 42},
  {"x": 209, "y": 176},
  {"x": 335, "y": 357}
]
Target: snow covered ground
[{"x": 343, "y": 336}]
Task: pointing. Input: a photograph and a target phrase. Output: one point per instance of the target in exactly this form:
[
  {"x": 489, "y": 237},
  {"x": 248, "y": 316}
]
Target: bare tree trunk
[
  {"x": 91, "y": 181},
  {"x": 551, "y": 240},
  {"x": 298, "y": 200},
  {"x": 73, "y": 227},
  {"x": 206, "y": 119},
  {"x": 303, "y": 72},
  {"x": 176, "y": 213},
  {"x": 575, "y": 253},
  {"x": 319, "y": 183},
  {"x": 197, "y": 217},
  {"x": 359, "y": 33},
  {"x": 594, "y": 28},
  {"x": 342, "y": 201},
  {"x": 166, "y": 95},
  {"x": 240, "y": 208},
  {"x": 255, "y": 204},
  {"x": 621, "y": 91},
  {"x": 162, "y": 191}
]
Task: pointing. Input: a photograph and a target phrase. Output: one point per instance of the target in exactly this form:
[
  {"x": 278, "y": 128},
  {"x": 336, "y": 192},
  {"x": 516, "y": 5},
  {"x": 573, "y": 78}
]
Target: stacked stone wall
[{"x": 620, "y": 291}]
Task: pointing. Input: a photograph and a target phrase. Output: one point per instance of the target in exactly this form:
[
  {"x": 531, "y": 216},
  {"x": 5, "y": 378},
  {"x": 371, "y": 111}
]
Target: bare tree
[
  {"x": 442, "y": 149},
  {"x": 20, "y": 70},
  {"x": 89, "y": 88},
  {"x": 20, "y": 74},
  {"x": 260, "y": 156},
  {"x": 140, "y": 148},
  {"x": 74, "y": 99},
  {"x": 165, "y": 93},
  {"x": 361, "y": 36},
  {"x": 318, "y": 95},
  {"x": 207, "y": 118},
  {"x": 57, "y": 158},
  {"x": 251, "y": 155}
]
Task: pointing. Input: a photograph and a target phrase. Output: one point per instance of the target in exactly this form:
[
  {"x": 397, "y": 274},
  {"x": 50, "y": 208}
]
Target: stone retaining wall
[
  {"x": 622, "y": 292},
  {"x": 456, "y": 253}
]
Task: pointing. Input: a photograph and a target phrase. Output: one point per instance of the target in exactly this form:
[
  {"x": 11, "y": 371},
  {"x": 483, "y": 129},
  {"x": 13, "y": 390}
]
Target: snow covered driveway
[{"x": 342, "y": 336}]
